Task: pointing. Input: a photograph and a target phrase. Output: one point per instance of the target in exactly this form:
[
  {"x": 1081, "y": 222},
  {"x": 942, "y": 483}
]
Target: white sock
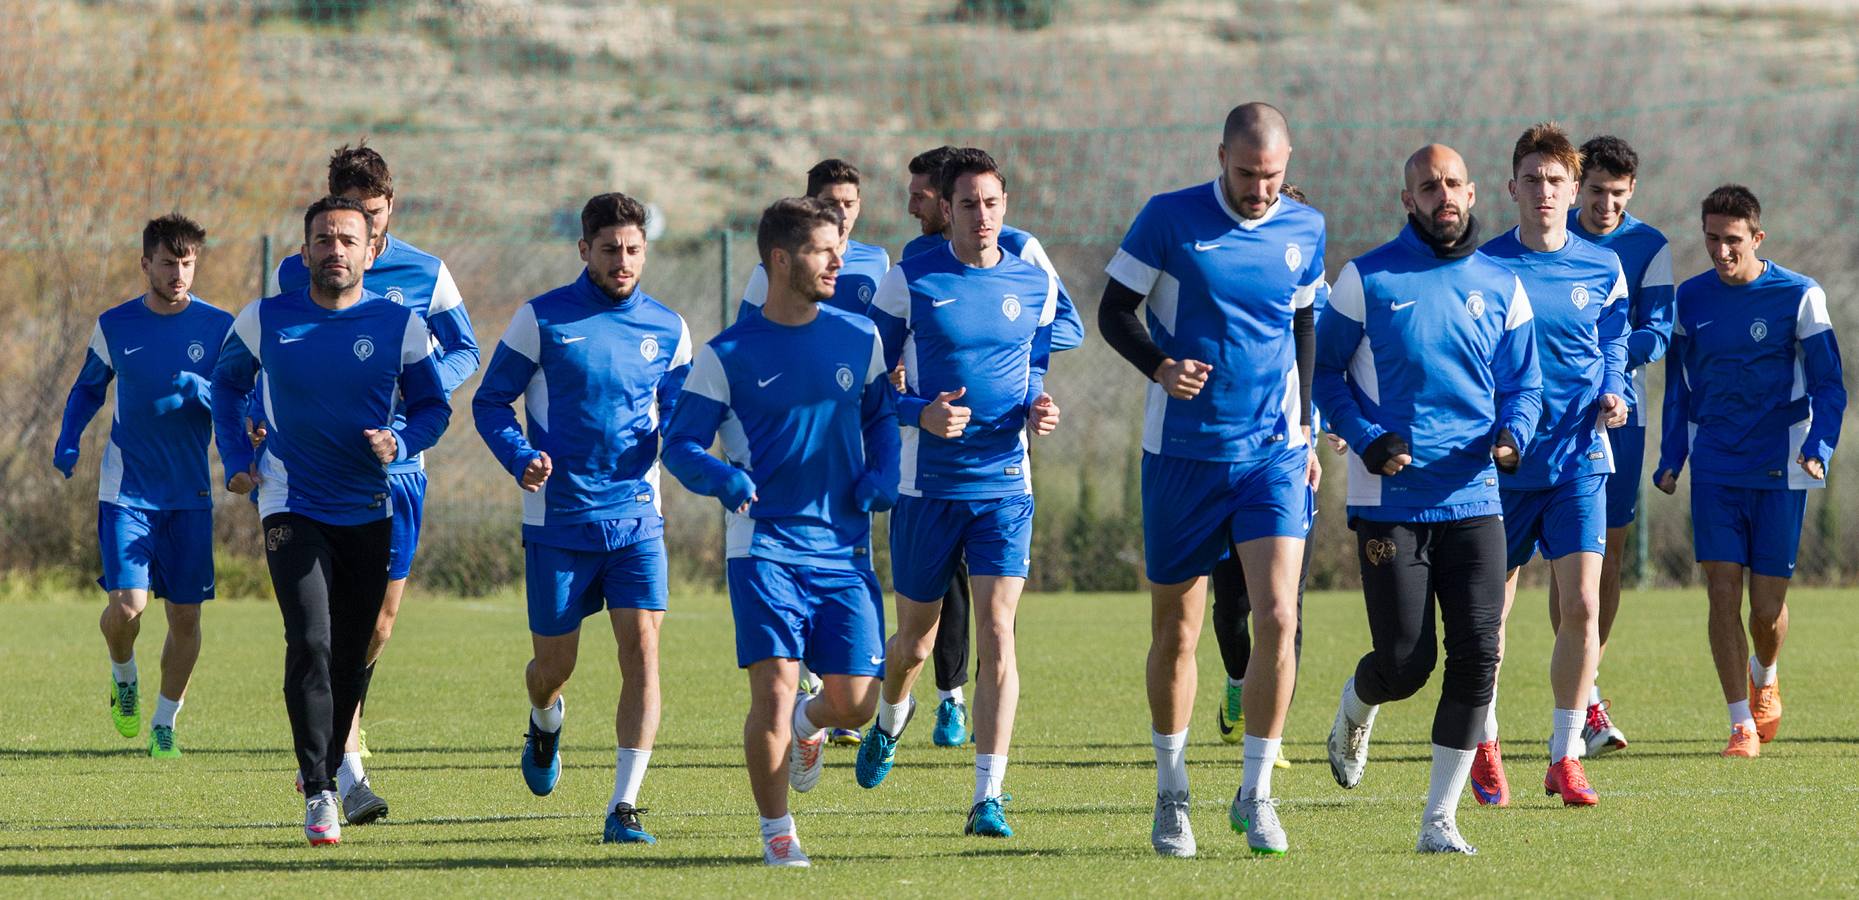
[
  {"x": 1171, "y": 764},
  {"x": 891, "y": 715},
  {"x": 1236, "y": 683},
  {"x": 1739, "y": 715},
  {"x": 349, "y": 774},
  {"x": 990, "y": 774},
  {"x": 1565, "y": 735},
  {"x": 1491, "y": 722},
  {"x": 1762, "y": 675},
  {"x": 628, "y": 772},
  {"x": 165, "y": 711},
  {"x": 954, "y": 693},
  {"x": 1594, "y": 694},
  {"x": 774, "y": 828},
  {"x": 1450, "y": 770},
  {"x": 1353, "y": 707},
  {"x": 548, "y": 718},
  {"x": 123, "y": 672},
  {"x": 1256, "y": 771},
  {"x": 804, "y": 729}
]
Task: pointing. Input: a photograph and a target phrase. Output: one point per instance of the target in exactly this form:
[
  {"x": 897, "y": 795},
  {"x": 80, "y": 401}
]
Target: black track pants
[{"x": 950, "y": 655}]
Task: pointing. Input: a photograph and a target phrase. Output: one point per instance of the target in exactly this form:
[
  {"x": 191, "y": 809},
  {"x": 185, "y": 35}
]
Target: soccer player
[
  {"x": 335, "y": 360},
  {"x": 420, "y": 282},
  {"x": 1555, "y": 499},
  {"x": 1753, "y": 399},
  {"x": 809, "y": 428},
  {"x": 1426, "y": 366},
  {"x": 154, "y": 496},
  {"x": 1609, "y": 176},
  {"x": 599, "y": 364},
  {"x": 1229, "y": 269},
  {"x": 974, "y": 323}
]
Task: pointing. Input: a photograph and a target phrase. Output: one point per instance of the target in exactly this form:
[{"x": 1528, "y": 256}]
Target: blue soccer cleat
[
  {"x": 623, "y": 827},
  {"x": 951, "y": 724},
  {"x": 879, "y": 751},
  {"x": 987, "y": 819},
  {"x": 542, "y": 759}
]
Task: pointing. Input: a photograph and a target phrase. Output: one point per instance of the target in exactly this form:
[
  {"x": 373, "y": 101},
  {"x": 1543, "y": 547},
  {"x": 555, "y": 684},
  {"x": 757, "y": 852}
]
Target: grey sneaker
[
  {"x": 1348, "y": 746},
  {"x": 1442, "y": 836},
  {"x": 363, "y": 805},
  {"x": 1257, "y": 819},
  {"x": 1172, "y": 835},
  {"x": 320, "y": 819},
  {"x": 783, "y": 851}
]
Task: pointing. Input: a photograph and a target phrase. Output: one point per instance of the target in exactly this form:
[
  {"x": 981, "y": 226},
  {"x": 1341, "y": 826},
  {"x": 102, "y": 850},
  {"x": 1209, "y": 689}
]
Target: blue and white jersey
[
  {"x": 1754, "y": 381},
  {"x": 419, "y": 281},
  {"x": 860, "y": 272},
  {"x": 598, "y": 378},
  {"x": 1578, "y": 298},
  {"x": 1647, "y": 260},
  {"x": 809, "y": 429},
  {"x": 329, "y": 375},
  {"x": 1440, "y": 351},
  {"x": 157, "y": 455},
  {"x": 1222, "y": 289},
  {"x": 1067, "y": 327},
  {"x": 986, "y": 331}
]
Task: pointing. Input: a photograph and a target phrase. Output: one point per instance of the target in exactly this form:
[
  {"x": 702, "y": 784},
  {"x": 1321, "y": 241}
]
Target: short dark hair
[
  {"x": 604, "y": 211},
  {"x": 1258, "y": 124},
  {"x": 180, "y": 234},
  {"x": 828, "y": 172},
  {"x": 1547, "y": 139},
  {"x": 786, "y": 223},
  {"x": 333, "y": 203},
  {"x": 1609, "y": 154},
  {"x": 965, "y": 161},
  {"x": 929, "y": 162},
  {"x": 1735, "y": 201},
  {"x": 359, "y": 168}
]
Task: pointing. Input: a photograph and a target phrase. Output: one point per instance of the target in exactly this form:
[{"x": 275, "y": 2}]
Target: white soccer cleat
[
  {"x": 1171, "y": 834},
  {"x": 1600, "y": 733},
  {"x": 1348, "y": 747},
  {"x": 805, "y": 761},
  {"x": 322, "y": 824},
  {"x": 783, "y": 851},
  {"x": 1442, "y": 836}
]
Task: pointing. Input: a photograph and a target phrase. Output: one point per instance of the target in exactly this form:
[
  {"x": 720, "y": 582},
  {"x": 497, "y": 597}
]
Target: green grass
[{"x": 82, "y": 811}]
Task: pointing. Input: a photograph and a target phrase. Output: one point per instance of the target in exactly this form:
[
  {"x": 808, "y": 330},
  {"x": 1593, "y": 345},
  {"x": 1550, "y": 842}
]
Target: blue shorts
[
  {"x": 1194, "y": 510},
  {"x": 1568, "y": 518},
  {"x": 566, "y": 586},
  {"x": 930, "y": 537},
  {"x": 1755, "y": 527},
  {"x": 168, "y": 553},
  {"x": 830, "y": 619},
  {"x": 1623, "y": 487},
  {"x": 408, "y": 494}
]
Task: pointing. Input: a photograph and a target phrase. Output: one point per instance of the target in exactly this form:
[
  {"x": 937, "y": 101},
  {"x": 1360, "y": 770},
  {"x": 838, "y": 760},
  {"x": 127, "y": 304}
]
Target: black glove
[
  {"x": 1506, "y": 439},
  {"x": 1376, "y": 455}
]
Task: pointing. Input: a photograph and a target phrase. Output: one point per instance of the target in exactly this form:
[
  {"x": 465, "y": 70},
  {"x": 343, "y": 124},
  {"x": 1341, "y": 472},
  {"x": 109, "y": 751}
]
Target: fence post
[{"x": 264, "y": 264}]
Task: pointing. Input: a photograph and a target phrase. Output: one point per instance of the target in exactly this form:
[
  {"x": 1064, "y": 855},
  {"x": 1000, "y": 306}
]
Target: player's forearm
[
  {"x": 497, "y": 427},
  {"x": 1519, "y": 411},
  {"x": 80, "y": 407},
  {"x": 700, "y": 473},
  {"x": 1651, "y": 336},
  {"x": 877, "y": 488},
  {"x": 1123, "y": 330}
]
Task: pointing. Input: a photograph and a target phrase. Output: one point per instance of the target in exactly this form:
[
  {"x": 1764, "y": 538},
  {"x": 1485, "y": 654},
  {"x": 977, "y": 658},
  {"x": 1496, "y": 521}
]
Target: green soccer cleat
[
  {"x": 124, "y": 708},
  {"x": 361, "y": 743},
  {"x": 1232, "y": 716},
  {"x": 161, "y": 743}
]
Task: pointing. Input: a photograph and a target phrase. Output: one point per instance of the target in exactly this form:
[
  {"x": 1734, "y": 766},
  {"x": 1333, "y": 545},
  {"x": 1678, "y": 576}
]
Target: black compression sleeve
[
  {"x": 1304, "y": 329},
  {"x": 1124, "y": 331}
]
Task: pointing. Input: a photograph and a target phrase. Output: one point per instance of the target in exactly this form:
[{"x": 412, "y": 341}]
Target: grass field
[{"x": 84, "y": 812}]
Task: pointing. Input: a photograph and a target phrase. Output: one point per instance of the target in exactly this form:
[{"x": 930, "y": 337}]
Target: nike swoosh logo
[
  {"x": 127, "y": 352},
  {"x": 1705, "y": 324},
  {"x": 764, "y": 382},
  {"x": 289, "y": 340},
  {"x": 1400, "y": 306},
  {"x": 943, "y": 302},
  {"x": 570, "y": 340},
  {"x": 1204, "y": 247},
  {"x": 877, "y": 660}
]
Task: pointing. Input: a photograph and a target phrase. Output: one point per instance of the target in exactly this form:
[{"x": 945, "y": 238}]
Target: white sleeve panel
[
  {"x": 1812, "y": 317},
  {"x": 444, "y": 293},
  {"x": 1659, "y": 270},
  {"x": 1132, "y": 273},
  {"x": 682, "y": 355},
  {"x": 524, "y": 334},
  {"x": 877, "y": 359},
  {"x": 893, "y": 297},
  {"x": 1346, "y": 296},
  {"x": 707, "y": 376},
  {"x": 1619, "y": 290},
  {"x": 416, "y": 342},
  {"x": 100, "y": 346},
  {"x": 247, "y": 327},
  {"x": 1050, "y": 311},
  {"x": 756, "y": 294},
  {"x": 1520, "y": 310}
]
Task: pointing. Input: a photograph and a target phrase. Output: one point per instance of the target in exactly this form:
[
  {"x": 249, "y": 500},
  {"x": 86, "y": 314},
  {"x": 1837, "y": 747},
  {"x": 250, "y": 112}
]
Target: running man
[
  {"x": 599, "y": 364},
  {"x": 1555, "y": 500},
  {"x": 1753, "y": 399},
  {"x": 974, "y": 324},
  {"x": 154, "y": 494},
  {"x": 1610, "y": 172},
  {"x": 809, "y": 430},
  {"x": 1426, "y": 367},
  {"x": 1230, "y": 270},
  {"x": 337, "y": 362}
]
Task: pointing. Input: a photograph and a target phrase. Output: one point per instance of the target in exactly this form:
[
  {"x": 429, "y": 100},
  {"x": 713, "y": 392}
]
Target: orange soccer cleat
[
  {"x": 1765, "y": 705},
  {"x": 1743, "y": 743},
  {"x": 1567, "y": 778},
  {"x": 1488, "y": 782}
]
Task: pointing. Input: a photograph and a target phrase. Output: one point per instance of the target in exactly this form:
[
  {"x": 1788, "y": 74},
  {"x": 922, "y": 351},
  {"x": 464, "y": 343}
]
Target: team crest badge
[
  {"x": 1475, "y": 305},
  {"x": 277, "y": 537},
  {"x": 844, "y": 377},
  {"x": 364, "y": 348},
  {"x": 1378, "y": 550},
  {"x": 394, "y": 294},
  {"x": 1758, "y": 330},
  {"x": 864, "y": 293},
  {"x": 1010, "y": 307},
  {"x": 1294, "y": 256},
  {"x": 648, "y": 348},
  {"x": 1579, "y": 296},
  {"x": 196, "y": 351}
]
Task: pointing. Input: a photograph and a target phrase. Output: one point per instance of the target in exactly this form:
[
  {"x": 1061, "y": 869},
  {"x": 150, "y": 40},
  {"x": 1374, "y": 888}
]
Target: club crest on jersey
[
  {"x": 1579, "y": 296},
  {"x": 196, "y": 351},
  {"x": 1010, "y": 307},
  {"x": 1475, "y": 304},
  {"x": 1758, "y": 330},
  {"x": 648, "y": 348},
  {"x": 844, "y": 377},
  {"x": 364, "y": 348},
  {"x": 394, "y": 294},
  {"x": 1294, "y": 256},
  {"x": 864, "y": 293}
]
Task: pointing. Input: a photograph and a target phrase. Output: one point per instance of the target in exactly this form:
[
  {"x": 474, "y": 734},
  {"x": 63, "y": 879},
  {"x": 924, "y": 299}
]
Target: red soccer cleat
[
  {"x": 1566, "y": 777},
  {"x": 1488, "y": 782}
]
